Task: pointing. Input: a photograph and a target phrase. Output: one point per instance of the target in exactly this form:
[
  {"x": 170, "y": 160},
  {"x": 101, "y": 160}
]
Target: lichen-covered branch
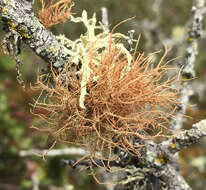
[
  {"x": 195, "y": 31},
  {"x": 18, "y": 16},
  {"x": 186, "y": 138},
  {"x": 53, "y": 152}
]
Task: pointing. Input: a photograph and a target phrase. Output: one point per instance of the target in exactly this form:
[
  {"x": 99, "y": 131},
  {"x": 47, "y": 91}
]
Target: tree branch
[
  {"x": 186, "y": 138},
  {"x": 53, "y": 152},
  {"x": 16, "y": 16}
]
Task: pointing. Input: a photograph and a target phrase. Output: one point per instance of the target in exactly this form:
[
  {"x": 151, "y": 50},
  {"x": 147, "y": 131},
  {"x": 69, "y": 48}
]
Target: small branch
[
  {"x": 194, "y": 33},
  {"x": 186, "y": 138},
  {"x": 53, "y": 152},
  {"x": 105, "y": 20},
  {"x": 173, "y": 179},
  {"x": 88, "y": 163},
  {"x": 35, "y": 181},
  {"x": 188, "y": 72}
]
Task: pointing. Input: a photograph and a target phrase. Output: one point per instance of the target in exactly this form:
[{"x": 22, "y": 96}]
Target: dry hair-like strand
[
  {"x": 55, "y": 12},
  {"x": 121, "y": 105}
]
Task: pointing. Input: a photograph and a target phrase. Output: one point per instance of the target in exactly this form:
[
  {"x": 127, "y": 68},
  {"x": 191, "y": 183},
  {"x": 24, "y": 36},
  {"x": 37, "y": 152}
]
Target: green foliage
[
  {"x": 11, "y": 128},
  {"x": 11, "y": 131}
]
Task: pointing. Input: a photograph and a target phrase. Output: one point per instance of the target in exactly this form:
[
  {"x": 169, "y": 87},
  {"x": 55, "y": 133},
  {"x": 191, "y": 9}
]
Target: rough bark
[{"x": 19, "y": 16}]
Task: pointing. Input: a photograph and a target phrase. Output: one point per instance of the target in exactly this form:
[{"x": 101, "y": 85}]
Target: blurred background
[{"x": 159, "y": 22}]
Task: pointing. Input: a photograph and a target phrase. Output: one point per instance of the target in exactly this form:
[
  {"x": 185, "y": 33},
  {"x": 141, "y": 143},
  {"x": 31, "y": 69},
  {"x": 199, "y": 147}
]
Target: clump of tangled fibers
[{"x": 106, "y": 96}]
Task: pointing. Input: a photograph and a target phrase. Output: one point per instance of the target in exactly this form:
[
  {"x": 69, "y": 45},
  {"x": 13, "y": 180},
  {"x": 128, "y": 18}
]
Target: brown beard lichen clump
[
  {"x": 114, "y": 98},
  {"x": 54, "y": 12}
]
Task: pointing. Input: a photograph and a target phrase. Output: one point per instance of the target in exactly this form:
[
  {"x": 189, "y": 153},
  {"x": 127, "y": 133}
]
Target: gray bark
[{"x": 33, "y": 33}]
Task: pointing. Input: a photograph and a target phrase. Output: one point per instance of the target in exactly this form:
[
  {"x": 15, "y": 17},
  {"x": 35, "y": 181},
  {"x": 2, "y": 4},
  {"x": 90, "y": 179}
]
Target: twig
[
  {"x": 186, "y": 138},
  {"x": 188, "y": 72},
  {"x": 53, "y": 152},
  {"x": 105, "y": 20},
  {"x": 35, "y": 180}
]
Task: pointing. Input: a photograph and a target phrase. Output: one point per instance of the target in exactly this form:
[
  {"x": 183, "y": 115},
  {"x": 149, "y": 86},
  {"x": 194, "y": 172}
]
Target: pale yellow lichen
[{"x": 91, "y": 43}]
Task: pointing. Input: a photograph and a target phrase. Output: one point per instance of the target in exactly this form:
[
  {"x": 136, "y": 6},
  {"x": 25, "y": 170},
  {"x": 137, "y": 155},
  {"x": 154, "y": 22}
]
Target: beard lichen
[
  {"x": 92, "y": 46},
  {"x": 113, "y": 99}
]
